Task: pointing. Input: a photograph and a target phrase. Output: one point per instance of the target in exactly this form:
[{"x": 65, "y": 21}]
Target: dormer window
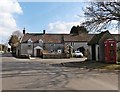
[
  {"x": 29, "y": 41},
  {"x": 40, "y": 41}
]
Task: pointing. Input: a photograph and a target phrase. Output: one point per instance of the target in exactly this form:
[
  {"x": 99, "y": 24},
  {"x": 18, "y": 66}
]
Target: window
[
  {"x": 40, "y": 41},
  {"x": 29, "y": 41},
  {"x": 111, "y": 44},
  {"x": 59, "y": 51},
  {"x": 29, "y": 46},
  {"x": 52, "y": 44},
  {"x": 72, "y": 43},
  {"x": 52, "y": 51},
  {"x": 29, "y": 51}
]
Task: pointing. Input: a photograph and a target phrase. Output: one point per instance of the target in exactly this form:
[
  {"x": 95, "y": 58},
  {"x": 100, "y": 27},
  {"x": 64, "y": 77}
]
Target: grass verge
[{"x": 92, "y": 65}]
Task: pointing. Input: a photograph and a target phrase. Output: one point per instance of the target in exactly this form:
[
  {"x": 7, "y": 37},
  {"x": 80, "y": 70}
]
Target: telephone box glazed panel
[{"x": 110, "y": 51}]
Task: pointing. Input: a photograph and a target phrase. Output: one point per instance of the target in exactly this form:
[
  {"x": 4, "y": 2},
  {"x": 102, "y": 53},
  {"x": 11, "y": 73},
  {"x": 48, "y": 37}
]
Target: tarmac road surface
[{"x": 38, "y": 74}]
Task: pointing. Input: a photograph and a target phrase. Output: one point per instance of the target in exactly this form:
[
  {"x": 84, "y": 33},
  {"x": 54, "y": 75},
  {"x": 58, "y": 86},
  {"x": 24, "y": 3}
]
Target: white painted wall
[
  {"x": 76, "y": 45},
  {"x": 55, "y": 47},
  {"x": 18, "y": 48},
  {"x": 32, "y": 51},
  {"x": 97, "y": 46},
  {"x": 24, "y": 49},
  {"x": 89, "y": 53}
]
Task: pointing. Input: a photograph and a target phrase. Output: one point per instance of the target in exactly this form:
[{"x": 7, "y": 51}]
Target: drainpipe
[{"x": 33, "y": 48}]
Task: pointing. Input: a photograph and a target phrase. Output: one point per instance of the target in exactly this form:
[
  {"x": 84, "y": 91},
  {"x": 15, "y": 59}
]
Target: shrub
[{"x": 24, "y": 56}]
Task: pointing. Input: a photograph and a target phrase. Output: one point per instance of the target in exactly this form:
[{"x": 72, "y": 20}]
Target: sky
[
  {"x": 54, "y": 17},
  {"x": 50, "y": 16}
]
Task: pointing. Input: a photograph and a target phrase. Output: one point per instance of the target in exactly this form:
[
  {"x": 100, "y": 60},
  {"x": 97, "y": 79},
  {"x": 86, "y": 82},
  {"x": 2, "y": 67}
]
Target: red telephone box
[{"x": 110, "y": 51}]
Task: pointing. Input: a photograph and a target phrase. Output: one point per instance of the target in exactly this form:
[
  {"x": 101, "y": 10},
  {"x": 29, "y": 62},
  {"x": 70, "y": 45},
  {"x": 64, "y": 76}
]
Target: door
[
  {"x": 93, "y": 52},
  {"x": 38, "y": 52},
  {"x": 18, "y": 52},
  {"x": 110, "y": 51}
]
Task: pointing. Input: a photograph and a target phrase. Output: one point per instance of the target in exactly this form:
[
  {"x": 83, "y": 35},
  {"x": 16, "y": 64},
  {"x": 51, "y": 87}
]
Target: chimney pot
[
  {"x": 24, "y": 31},
  {"x": 43, "y": 31}
]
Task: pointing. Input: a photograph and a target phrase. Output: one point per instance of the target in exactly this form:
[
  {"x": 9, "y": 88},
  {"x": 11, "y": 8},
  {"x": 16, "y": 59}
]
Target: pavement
[{"x": 41, "y": 74}]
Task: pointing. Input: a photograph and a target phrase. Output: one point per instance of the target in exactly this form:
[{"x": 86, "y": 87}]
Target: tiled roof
[
  {"x": 57, "y": 38},
  {"x": 33, "y": 37},
  {"x": 117, "y": 37},
  {"x": 51, "y": 38},
  {"x": 78, "y": 38},
  {"x": 96, "y": 38},
  {"x": 47, "y": 38}
]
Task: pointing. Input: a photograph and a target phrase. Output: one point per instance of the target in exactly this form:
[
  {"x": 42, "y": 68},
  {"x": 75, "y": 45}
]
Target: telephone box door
[{"x": 110, "y": 51}]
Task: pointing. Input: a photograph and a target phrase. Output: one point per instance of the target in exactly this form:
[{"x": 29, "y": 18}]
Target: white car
[{"x": 78, "y": 54}]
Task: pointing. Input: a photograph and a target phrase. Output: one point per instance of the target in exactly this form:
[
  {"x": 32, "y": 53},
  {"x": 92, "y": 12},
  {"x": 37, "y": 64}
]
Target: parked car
[{"x": 78, "y": 54}]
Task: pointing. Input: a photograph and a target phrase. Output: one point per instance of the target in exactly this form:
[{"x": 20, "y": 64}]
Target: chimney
[
  {"x": 24, "y": 31},
  {"x": 43, "y": 31}
]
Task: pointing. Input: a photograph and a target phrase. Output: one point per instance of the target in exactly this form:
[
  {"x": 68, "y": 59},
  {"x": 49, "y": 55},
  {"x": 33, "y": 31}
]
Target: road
[{"x": 41, "y": 74}]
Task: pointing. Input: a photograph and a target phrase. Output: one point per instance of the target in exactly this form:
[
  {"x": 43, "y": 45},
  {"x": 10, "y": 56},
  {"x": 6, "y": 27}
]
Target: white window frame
[
  {"x": 30, "y": 41},
  {"x": 40, "y": 41}
]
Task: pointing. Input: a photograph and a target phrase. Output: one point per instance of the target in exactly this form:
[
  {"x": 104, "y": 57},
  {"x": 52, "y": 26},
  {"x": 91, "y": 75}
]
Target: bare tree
[
  {"x": 14, "y": 40},
  {"x": 101, "y": 14},
  {"x": 18, "y": 34}
]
